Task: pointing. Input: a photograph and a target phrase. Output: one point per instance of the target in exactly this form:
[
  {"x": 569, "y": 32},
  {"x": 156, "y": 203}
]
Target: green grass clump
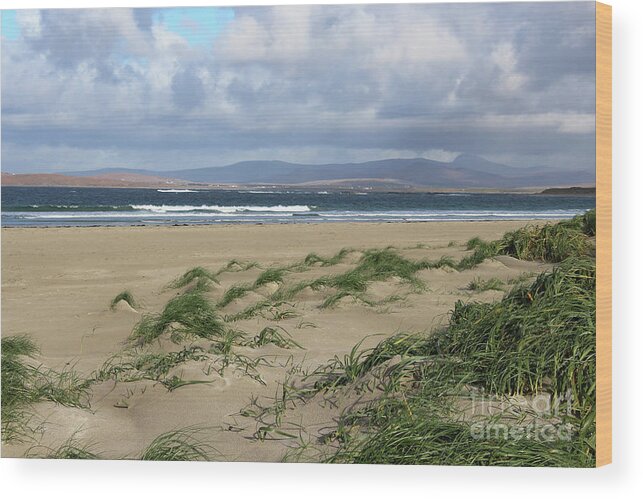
[
  {"x": 236, "y": 266},
  {"x": 225, "y": 343},
  {"x": 272, "y": 335},
  {"x": 481, "y": 251},
  {"x": 353, "y": 281},
  {"x": 250, "y": 311},
  {"x": 66, "y": 387},
  {"x": 72, "y": 452},
  {"x": 125, "y": 296},
  {"x": 379, "y": 265},
  {"x": 375, "y": 265},
  {"x": 203, "y": 277},
  {"x": 178, "y": 445},
  {"x": 18, "y": 378},
  {"x": 277, "y": 275},
  {"x": 152, "y": 366},
  {"x": 334, "y": 299},
  {"x": 589, "y": 223},
  {"x": 585, "y": 223},
  {"x": 234, "y": 293},
  {"x": 548, "y": 243},
  {"x": 474, "y": 242},
  {"x": 478, "y": 284},
  {"x": 422, "y": 437},
  {"x": 286, "y": 293},
  {"x": 313, "y": 258},
  {"x": 522, "y": 278},
  {"x": 25, "y": 383},
  {"x": 551, "y": 243},
  {"x": 70, "y": 449},
  {"x": 17, "y": 346},
  {"x": 442, "y": 262},
  {"x": 540, "y": 338},
  {"x": 270, "y": 275},
  {"x": 189, "y": 314},
  {"x": 343, "y": 370}
]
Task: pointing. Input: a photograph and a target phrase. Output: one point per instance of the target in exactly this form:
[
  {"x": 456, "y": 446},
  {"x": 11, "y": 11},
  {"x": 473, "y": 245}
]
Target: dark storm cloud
[
  {"x": 187, "y": 89},
  {"x": 144, "y": 18},
  {"x": 123, "y": 87}
]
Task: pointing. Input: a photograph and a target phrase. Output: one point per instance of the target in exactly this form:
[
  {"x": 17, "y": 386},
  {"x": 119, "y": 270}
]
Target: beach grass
[
  {"x": 277, "y": 275},
  {"x": 551, "y": 243},
  {"x": 135, "y": 365},
  {"x": 277, "y": 336},
  {"x": 270, "y": 275},
  {"x": 539, "y": 339},
  {"x": 25, "y": 382},
  {"x": 285, "y": 293},
  {"x": 314, "y": 258},
  {"x": 17, "y": 385},
  {"x": 548, "y": 243},
  {"x": 234, "y": 293},
  {"x": 586, "y": 223},
  {"x": 203, "y": 277},
  {"x": 71, "y": 448},
  {"x": 373, "y": 265},
  {"x": 422, "y": 437},
  {"x": 479, "y": 285},
  {"x": 481, "y": 251},
  {"x": 125, "y": 296},
  {"x": 224, "y": 344},
  {"x": 235, "y": 265},
  {"x": 188, "y": 314},
  {"x": 184, "y": 444}
]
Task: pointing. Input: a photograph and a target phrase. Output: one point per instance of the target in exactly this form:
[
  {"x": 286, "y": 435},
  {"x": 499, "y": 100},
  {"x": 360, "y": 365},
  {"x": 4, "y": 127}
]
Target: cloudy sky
[{"x": 185, "y": 88}]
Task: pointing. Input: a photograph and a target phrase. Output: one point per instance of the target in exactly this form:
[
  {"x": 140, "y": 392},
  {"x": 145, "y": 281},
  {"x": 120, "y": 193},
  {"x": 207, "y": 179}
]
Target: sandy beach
[{"x": 57, "y": 285}]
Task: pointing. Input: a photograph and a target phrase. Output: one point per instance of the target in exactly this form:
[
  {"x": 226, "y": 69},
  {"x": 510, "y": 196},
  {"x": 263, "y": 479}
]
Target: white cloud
[
  {"x": 29, "y": 21},
  {"x": 300, "y": 84},
  {"x": 567, "y": 123},
  {"x": 504, "y": 57}
]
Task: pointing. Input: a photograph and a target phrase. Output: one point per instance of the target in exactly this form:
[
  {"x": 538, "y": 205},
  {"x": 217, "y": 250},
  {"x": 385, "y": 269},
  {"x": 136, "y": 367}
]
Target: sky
[{"x": 182, "y": 88}]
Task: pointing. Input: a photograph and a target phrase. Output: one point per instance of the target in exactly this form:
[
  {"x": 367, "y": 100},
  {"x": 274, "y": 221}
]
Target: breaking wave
[
  {"x": 220, "y": 209},
  {"x": 175, "y": 190}
]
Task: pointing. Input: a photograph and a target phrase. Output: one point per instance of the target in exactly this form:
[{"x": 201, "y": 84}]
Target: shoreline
[{"x": 264, "y": 224}]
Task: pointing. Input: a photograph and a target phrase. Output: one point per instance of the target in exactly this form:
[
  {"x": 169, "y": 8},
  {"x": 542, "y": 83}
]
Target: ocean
[{"x": 63, "y": 206}]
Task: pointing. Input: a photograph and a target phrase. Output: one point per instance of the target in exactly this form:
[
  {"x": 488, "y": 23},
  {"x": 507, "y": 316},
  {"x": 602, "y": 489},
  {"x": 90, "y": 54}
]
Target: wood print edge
[{"x": 603, "y": 234}]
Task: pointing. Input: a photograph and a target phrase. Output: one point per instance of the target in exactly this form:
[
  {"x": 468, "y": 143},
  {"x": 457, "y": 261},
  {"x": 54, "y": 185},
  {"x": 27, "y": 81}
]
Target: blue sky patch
[
  {"x": 197, "y": 25},
  {"x": 10, "y": 26}
]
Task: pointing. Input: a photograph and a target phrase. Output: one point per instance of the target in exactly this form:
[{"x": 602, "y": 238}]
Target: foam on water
[
  {"x": 176, "y": 191},
  {"x": 219, "y": 209}
]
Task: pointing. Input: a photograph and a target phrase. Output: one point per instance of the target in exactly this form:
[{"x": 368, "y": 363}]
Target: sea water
[{"x": 63, "y": 206}]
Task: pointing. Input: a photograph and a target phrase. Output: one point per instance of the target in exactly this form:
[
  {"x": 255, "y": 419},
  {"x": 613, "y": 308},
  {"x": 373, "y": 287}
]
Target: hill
[
  {"x": 464, "y": 172},
  {"x": 105, "y": 180}
]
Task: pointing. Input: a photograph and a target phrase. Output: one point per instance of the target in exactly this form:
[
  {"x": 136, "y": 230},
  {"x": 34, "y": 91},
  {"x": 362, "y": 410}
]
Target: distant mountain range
[{"x": 464, "y": 172}]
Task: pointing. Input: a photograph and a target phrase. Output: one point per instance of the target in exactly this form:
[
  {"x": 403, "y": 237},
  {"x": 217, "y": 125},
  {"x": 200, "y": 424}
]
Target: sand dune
[{"x": 57, "y": 284}]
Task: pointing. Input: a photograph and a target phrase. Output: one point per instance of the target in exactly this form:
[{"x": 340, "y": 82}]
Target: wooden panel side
[{"x": 603, "y": 234}]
